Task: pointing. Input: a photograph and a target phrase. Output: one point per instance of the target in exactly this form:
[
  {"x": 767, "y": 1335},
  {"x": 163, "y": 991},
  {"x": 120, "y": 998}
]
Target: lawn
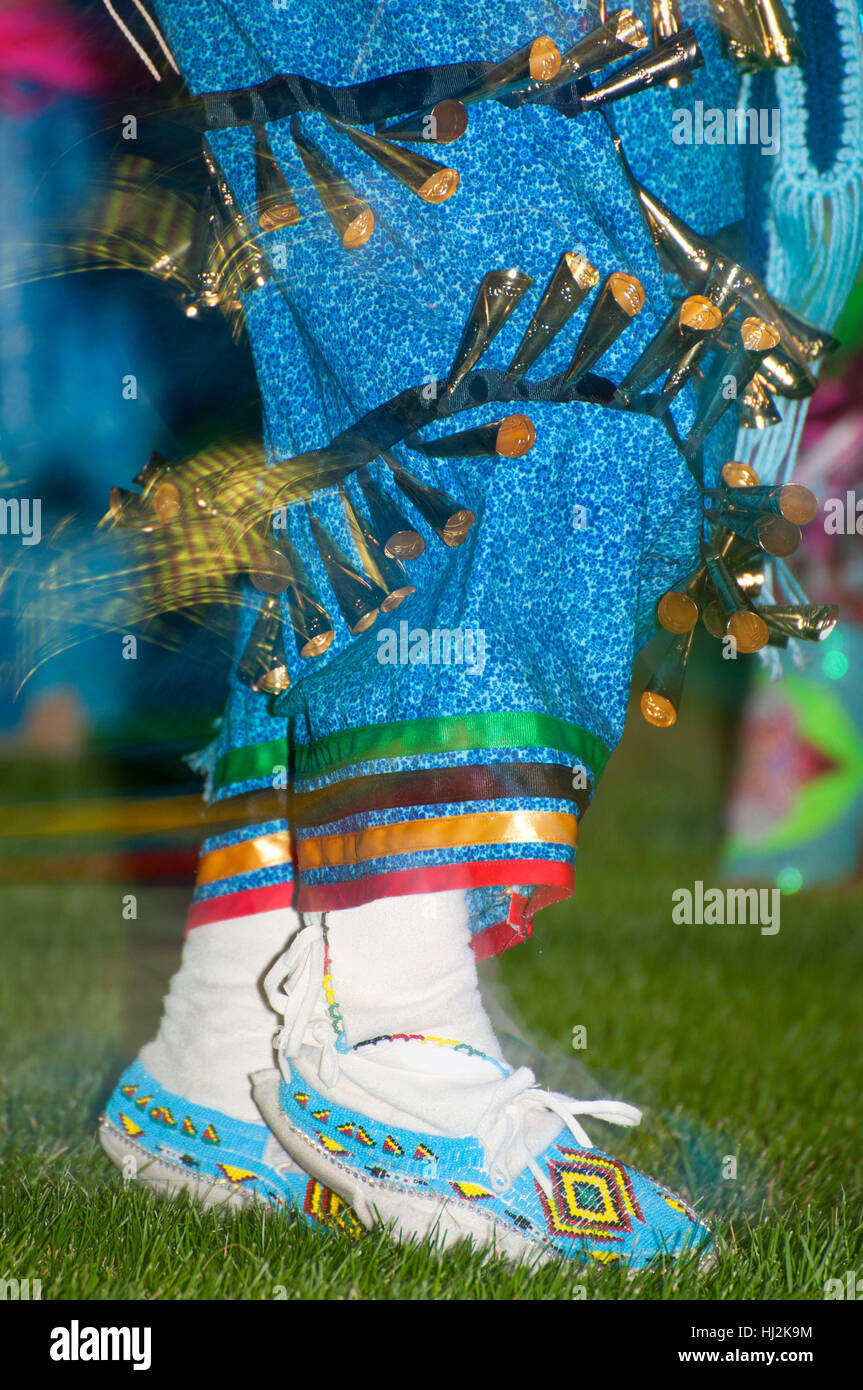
[{"x": 743, "y": 1050}]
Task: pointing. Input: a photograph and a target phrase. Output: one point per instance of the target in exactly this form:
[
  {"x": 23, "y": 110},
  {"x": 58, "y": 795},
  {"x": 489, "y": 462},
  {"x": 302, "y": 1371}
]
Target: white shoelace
[
  {"x": 509, "y": 1155},
  {"x": 301, "y": 969}
]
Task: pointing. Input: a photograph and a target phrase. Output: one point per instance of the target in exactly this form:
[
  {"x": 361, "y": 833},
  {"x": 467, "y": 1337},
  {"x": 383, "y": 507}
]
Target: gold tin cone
[
  {"x": 755, "y": 409},
  {"x": 778, "y": 537},
  {"x": 677, "y": 612},
  {"x": 739, "y": 475},
  {"x": 665, "y": 20},
  {"x": 499, "y": 293},
  {"x": 358, "y": 597},
  {"x": 620, "y": 35},
  {"x": 725, "y": 284},
  {"x": 685, "y": 326},
  {"x": 715, "y": 618},
  {"x": 789, "y": 500},
  {"x": 619, "y": 301},
  {"x": 312, "y": 624},
  {"x": 660, "y": 702},
  {"x": 511, "y": 437},
  {"x": 447, "y": 517},
  {"x": 783, "y": 375},
  {"x": 128, "y": 509},
  {"x": 815, "y": 342},
  {"x": 749, "y": 631},
  {"x": 352, "y": 218},
  {"x": 166, "y": 502},
  {"x": 756, "y": 339},
  {"x": 155, "y": 465},
  {"x": 275, "y": 201},
  {"x": 669, "y": 64},
  {"x": 263, "y": 664},
  {"x": 780, "y": 46},
  {"x": 389, "y": 575},
  {"x": 432, "y": 182},
  {"x": 573, "y": 279},
  {"x": 537, "y": 61},
  {"x": 399, "y": 539},
  {"x": 741, "y": 621},
  {"x": 242, "y": 259},
  {"x": 699, "y": 264},
  {"x": 442, "y": 124},
  {"x": 809, "y": 622}
]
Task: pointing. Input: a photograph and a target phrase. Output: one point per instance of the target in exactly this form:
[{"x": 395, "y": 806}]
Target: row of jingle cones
[
  {"x": 382, "y": 535},
  {"x": 533, "y": 72},
  {"x": 752, "y": 522}
]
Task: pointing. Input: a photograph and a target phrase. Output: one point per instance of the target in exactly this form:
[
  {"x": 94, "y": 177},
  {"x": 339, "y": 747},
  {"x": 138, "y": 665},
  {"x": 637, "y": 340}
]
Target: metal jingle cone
[
  {"x": 687, "y": 324},
  {"x": 808, "y": 622},
  {"x": 780, "y": 373},
  {"x": 537, "y": 61},
  {"x": 359, "y": 599},
  {"x": 129, "y": 509},
  {"x": 660, "y": 702},
  {"x": 665, "y": 22},
  {"x": 740, "y": 39},
  {"x": 791, "y": 500},
  {"x": 725, "y": 284},
  {"x": 739, "y": 475},
  {"x": 618, "y": 36},
  {"x": 619, "y": 301},
  {"x": 263, "y": 664},
  {"x": 677, "y": 610},
  {"x": 444, "y": 514},
  {"x": 166, "y": 501},
  {"x": 390, "y": 575},
  {"x": 699, "y": 264},
  {"x": 671, "y": 62},
  {"x": 512, "y": 438},
  {"x": 742, "y": 622},
  {"x": 756, "y": 339},
  {"x": 681, "y": 251},
  {"x": 773, "y": 534},
  {"x": 499, "y": 293},
  {"x": 778, "y": 537},
  {"x": 816, "y": 342},
  {"x": 399, "y": 539},
  {"x": 242, "y": 257},
  {"x": 432, "y": 182},
  {"x": 351, "y": 217},
  {"x": 755, "y": 409},
  {"x": 155, "y": 465},
  {"x": 275, "y": 201},
  {"x": 665, "y": 19},
  {"x": 312, "y": 624},
  {"x": 441, "y": 124},
  {"x": 201, "y": 264},
  {"x": 780, "y": 46},
  {"x": 573, "y": 279}
]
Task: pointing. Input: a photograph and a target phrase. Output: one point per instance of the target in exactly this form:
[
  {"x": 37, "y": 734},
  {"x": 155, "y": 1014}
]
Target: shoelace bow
[
  {"x": 301, "y": 969},
  {"x": 510, "y": 1153}
]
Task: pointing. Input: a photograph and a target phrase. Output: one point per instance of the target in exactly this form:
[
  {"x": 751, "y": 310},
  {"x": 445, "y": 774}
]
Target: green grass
[{"x": 735, "y": 1044}]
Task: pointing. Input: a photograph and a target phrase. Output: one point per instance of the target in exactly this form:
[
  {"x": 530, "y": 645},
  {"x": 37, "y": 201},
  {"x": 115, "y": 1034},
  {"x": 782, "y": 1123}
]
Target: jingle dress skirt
[{"x": 386, "y": 768}]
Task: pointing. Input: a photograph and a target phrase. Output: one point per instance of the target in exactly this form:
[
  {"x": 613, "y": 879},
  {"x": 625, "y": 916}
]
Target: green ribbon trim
[{"x": 410, "y": 737}]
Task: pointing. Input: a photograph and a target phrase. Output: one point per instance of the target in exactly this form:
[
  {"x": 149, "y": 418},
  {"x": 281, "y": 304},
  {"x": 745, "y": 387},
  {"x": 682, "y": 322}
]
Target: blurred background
[{"x": 761, "y": 781}]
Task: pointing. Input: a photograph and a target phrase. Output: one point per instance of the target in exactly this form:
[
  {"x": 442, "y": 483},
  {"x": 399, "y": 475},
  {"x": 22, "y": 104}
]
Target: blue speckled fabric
[{"x": 336, "y": 333}]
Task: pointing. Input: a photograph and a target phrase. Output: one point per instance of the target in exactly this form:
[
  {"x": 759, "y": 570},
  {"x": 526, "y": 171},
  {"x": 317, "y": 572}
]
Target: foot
[
  {"x": 525, "y": 1178},
  {"x": 160, "y": 1140}
]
